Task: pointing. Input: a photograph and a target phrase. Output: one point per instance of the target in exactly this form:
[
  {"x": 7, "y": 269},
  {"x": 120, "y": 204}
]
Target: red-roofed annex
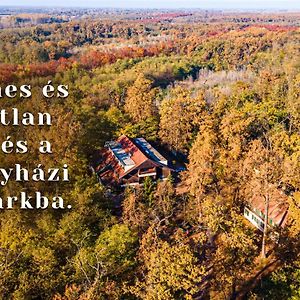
[{"x": 277, "y": 210}]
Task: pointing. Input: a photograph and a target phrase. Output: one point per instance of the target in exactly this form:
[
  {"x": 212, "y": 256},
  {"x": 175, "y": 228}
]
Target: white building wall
[{"x": 254, "y": 219}]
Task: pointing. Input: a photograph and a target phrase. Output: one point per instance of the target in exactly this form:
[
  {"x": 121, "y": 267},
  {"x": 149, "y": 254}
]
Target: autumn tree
[
  {"x": 263, "y": 172},
  {"x": 169, "y": 270},
  {"x": 180, "y": 117},
  {"x": 140, "y": 102}
]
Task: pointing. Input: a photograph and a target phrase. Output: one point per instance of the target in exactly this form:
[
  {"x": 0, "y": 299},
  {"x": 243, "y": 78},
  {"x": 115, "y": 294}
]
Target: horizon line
[{"x": 239, "y": 9}]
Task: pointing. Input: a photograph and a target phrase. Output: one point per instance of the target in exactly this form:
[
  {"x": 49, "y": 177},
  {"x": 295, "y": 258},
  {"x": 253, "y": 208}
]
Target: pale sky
[{"x": 205, "y": 4}]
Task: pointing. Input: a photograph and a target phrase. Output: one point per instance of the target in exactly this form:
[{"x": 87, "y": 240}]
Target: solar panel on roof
[
  {"x": 150, "y": 151},
  {"x": 121, "y": 155}
]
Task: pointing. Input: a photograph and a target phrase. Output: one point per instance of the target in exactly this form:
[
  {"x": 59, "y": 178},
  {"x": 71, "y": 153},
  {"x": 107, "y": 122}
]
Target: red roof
[
  {"x": 136, "y": 154},
  {"x": 111, "y": 169},
  {"x": 278, "y": 207}
]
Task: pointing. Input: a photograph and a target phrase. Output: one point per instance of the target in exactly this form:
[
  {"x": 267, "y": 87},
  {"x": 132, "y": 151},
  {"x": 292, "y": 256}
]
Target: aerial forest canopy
[{"x": 219, "y": 91}]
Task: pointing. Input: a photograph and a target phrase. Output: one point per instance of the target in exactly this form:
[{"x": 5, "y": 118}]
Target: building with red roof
[
  {"x": 276, "y": 207},
  {"x": 129, "y": 161}
]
